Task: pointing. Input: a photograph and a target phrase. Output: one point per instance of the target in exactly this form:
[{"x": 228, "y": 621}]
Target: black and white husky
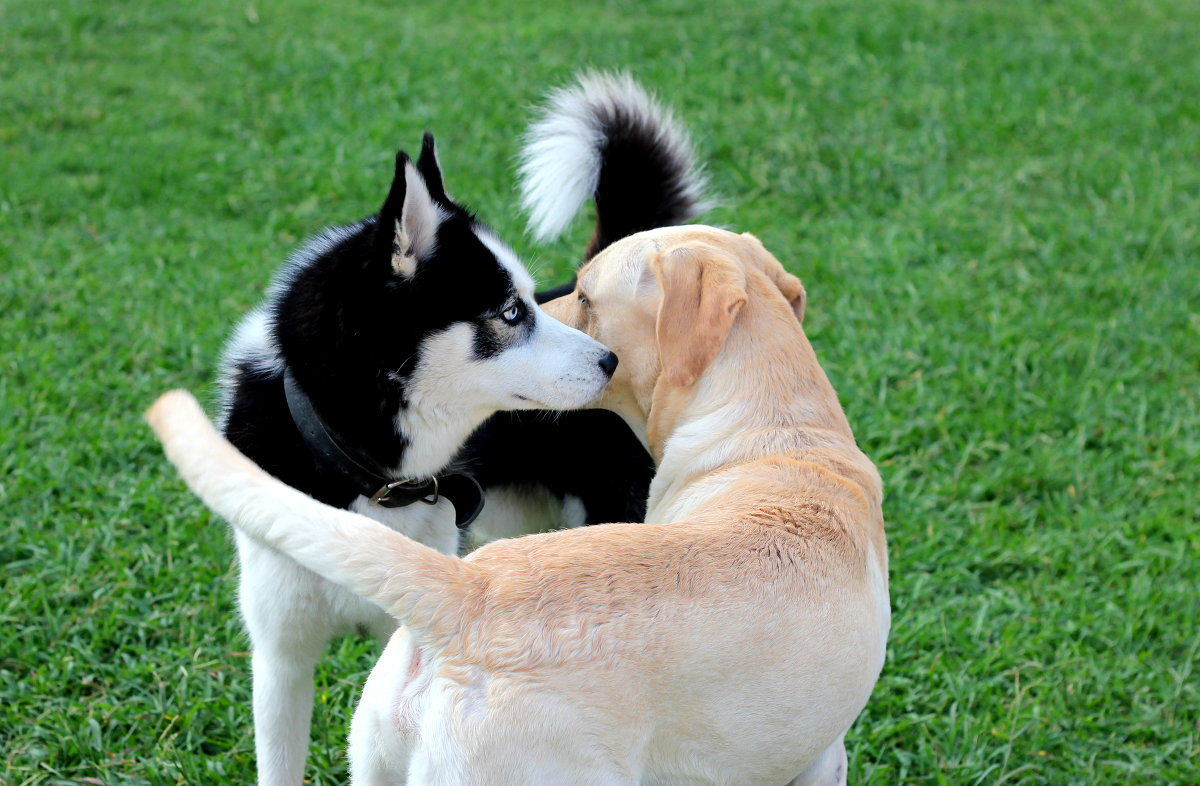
[{"x": 382, "y": 346}]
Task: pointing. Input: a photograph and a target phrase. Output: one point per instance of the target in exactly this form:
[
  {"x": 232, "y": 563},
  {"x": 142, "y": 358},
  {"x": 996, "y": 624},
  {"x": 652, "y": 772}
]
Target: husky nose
[{"x": 609, "y": 363}]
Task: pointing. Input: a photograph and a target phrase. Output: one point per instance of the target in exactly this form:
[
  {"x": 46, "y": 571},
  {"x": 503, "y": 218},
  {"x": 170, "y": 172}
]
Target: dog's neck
[
  {"x": 789, "y": 409},
  {"x": 418, "y": 440},
  {"x": 435, "y": 434}
]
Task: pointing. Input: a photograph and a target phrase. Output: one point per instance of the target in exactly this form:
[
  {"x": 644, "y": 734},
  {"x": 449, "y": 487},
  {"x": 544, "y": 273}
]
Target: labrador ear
[
  {"x": 789, "y": 286},
  {"x": 408, "y": 221},
  {"x": 702, "y": 292}
]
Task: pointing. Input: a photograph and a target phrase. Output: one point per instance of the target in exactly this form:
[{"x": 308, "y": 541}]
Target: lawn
[{"x": 994, "y": 206}]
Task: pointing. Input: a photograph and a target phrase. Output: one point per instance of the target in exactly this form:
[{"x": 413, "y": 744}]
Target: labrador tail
[{"x": 420, "y": 587}]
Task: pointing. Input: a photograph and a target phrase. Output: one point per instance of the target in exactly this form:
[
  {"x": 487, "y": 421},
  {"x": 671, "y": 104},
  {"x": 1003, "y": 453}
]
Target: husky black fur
[{"x": 342, "y": 321}]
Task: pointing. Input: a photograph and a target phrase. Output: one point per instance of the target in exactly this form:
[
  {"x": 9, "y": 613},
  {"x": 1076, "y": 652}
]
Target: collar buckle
[
  {"x": 463, "y": 491},
  {"x": 409, "y": 486}
]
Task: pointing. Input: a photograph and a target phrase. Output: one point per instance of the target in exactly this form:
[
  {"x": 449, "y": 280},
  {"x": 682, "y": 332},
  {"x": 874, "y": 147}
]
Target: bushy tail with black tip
[{"x": 607, "y": 138}]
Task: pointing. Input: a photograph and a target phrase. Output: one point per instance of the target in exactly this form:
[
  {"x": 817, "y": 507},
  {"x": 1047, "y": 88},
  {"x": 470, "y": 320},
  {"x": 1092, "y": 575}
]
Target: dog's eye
[
  {"x": 583, "y": 301},
  {"x": 513, "y": 314}
]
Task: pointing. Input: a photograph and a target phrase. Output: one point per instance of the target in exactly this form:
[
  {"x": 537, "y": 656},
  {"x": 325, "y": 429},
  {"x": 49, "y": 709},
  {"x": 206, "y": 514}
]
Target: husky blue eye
[{"x": 512, "y": 315}]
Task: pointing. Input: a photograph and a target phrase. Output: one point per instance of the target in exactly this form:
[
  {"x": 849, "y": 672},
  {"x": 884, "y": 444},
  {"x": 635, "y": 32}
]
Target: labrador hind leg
[
  {"x": 828, "y": 770},
  {"x": 386, "y": 726}
]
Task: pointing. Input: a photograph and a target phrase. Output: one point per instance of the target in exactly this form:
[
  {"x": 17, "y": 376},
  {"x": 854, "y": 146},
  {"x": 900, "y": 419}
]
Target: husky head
[{"x": 421, "y": 316}]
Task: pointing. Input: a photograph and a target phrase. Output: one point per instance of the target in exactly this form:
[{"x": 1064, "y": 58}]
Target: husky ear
[
  {"x": 702, "y": 292},
  {"x": 431, "y": 170},
  {"x": 789, "y": 286},
  {"x": 408, "y": 221}
]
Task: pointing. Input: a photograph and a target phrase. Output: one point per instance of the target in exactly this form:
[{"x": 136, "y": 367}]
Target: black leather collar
[{"x": 375, "y": 483}]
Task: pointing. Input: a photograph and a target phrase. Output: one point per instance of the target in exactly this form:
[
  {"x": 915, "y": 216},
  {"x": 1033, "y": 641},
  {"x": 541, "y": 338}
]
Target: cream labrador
[{"x": 735, "y": 643}]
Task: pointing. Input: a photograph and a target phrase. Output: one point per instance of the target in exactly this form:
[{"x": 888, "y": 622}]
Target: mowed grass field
[{"x": 994, "y": 206}]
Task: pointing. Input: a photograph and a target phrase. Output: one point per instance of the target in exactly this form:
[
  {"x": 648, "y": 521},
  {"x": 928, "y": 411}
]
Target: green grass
[{"x": 994, "y": 206}]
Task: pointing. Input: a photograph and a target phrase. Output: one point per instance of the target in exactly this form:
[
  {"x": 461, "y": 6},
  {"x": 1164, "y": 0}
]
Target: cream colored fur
[{"x": 735, "y": 643}]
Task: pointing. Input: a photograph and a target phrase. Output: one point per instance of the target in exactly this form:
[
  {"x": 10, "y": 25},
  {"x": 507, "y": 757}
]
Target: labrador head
[{"x": 667, "y": 301}]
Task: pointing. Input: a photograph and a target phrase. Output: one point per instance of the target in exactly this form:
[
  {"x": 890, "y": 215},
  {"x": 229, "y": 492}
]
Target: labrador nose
[{"x": 609, "y": 363}]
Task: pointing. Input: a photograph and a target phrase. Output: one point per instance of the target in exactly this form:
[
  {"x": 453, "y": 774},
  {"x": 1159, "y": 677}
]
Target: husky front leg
[
  {"x": 283, "y": 702},
  {"x": 290, "y": 626}
]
